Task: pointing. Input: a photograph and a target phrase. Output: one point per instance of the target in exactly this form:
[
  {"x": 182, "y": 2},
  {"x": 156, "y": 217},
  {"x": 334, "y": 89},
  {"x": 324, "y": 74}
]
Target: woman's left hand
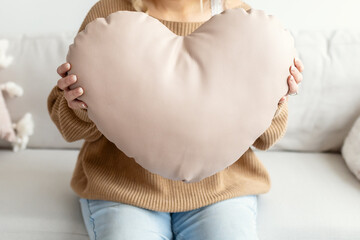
[{"x": 294, "y": 78}]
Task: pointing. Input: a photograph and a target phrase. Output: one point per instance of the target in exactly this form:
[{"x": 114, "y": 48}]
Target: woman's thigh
[
  {"x": 231, "y": 219},
  {"x": 107, "y": 220}
]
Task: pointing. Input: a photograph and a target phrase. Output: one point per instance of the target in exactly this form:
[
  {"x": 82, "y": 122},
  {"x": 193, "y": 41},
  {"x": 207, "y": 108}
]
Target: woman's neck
[{"x": 179, "y": 10}]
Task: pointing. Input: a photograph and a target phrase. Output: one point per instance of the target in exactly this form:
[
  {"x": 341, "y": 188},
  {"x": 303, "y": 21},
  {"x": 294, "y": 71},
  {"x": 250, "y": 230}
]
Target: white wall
[
  {"x": 313, "y": 14},
  {"x": 37, "y": 16},
  {"x": 33, "y": 16}
]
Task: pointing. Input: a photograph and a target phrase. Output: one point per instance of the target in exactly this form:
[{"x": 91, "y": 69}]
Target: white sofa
[{"x": 313, "y": 194}]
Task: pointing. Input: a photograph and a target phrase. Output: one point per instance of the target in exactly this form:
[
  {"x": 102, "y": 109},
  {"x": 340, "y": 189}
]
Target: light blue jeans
[{"x": 231, "y": 219}]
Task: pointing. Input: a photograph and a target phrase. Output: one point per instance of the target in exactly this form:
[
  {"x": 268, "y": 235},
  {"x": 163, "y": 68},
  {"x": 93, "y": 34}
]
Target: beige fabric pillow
[
  {"x": 350, "y": 149},
  {"x": 184, "y": 107}
]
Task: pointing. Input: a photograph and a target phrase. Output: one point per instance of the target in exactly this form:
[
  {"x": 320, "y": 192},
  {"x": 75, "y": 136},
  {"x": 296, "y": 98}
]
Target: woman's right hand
[{"x": 65, "y": 82}]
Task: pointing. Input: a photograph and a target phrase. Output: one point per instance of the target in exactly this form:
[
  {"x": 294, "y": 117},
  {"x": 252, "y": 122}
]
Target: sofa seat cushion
[
  {"x": 36, "y": 199},
  {"x": 313, "y": 196}
]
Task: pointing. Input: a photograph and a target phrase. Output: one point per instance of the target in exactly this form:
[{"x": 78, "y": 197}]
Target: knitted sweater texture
[{"x": 104, "y": 172}]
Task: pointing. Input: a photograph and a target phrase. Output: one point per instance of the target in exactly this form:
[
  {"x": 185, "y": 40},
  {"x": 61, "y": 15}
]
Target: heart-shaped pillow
[{"x": 184, "y": 107}]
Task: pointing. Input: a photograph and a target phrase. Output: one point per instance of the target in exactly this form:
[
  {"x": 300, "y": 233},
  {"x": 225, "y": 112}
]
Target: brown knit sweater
[{"x": 104, "y": 172}]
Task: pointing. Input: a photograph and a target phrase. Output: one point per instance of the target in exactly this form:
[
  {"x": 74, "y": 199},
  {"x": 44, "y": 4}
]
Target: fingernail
[
  {"x": 83, "y": 105},
  {"x": 292, "y": 78},
  {"x": 81, "y": 90},
  {"x": 67, "y": 65},
  {"x": 73, "y": 80},
  {"x": 293, "y": 68},
  {"x": 73, "y": 77}
]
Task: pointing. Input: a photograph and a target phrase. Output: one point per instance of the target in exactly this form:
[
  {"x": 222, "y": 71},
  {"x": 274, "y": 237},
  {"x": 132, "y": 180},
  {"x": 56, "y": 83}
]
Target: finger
[
  {"x": 283, "y": 99},
  {"x": 70, "y": 95},
  {"x": 63, "y": 68},
  {"x": 65, "y": 82},
  {"x": 299, "y": 64},
  {"x": 292, "y": 85},
  {"x": 76, "y": 104},
  {"x": 297, "y": 75}
]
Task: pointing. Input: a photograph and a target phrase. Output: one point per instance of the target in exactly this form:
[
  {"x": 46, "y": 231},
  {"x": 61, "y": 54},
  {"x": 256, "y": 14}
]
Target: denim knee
[
  {"x": 230, "y": 219},
  {"x": 108, "y": 220}
]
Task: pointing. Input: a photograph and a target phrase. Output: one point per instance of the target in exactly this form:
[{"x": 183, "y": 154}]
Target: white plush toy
[
  {"x": 15, "y": 133},
  {"x": 351, "y": 149},
  {"x": 5, "y": 61}
]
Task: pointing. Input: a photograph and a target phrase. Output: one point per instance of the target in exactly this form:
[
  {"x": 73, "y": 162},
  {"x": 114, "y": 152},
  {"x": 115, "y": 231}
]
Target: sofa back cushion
[
  {"x": 319, "y": 117},
  {"x": 328, "y": 103},
  {"x": 36, "y": 58}
]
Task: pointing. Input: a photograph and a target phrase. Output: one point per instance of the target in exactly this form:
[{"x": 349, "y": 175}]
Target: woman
[{"x": 120, "y": 199}]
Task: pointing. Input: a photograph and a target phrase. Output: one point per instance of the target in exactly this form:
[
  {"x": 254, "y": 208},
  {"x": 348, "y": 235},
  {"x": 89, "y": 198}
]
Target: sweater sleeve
[
  {"x": 73, "y": 124},
  {"x": 276, "y": 130}
]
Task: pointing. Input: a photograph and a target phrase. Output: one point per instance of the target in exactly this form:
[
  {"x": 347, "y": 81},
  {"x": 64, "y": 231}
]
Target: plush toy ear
[
  {"x": 6, "y": 130},
  {"x": 5, "y": 61}
]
